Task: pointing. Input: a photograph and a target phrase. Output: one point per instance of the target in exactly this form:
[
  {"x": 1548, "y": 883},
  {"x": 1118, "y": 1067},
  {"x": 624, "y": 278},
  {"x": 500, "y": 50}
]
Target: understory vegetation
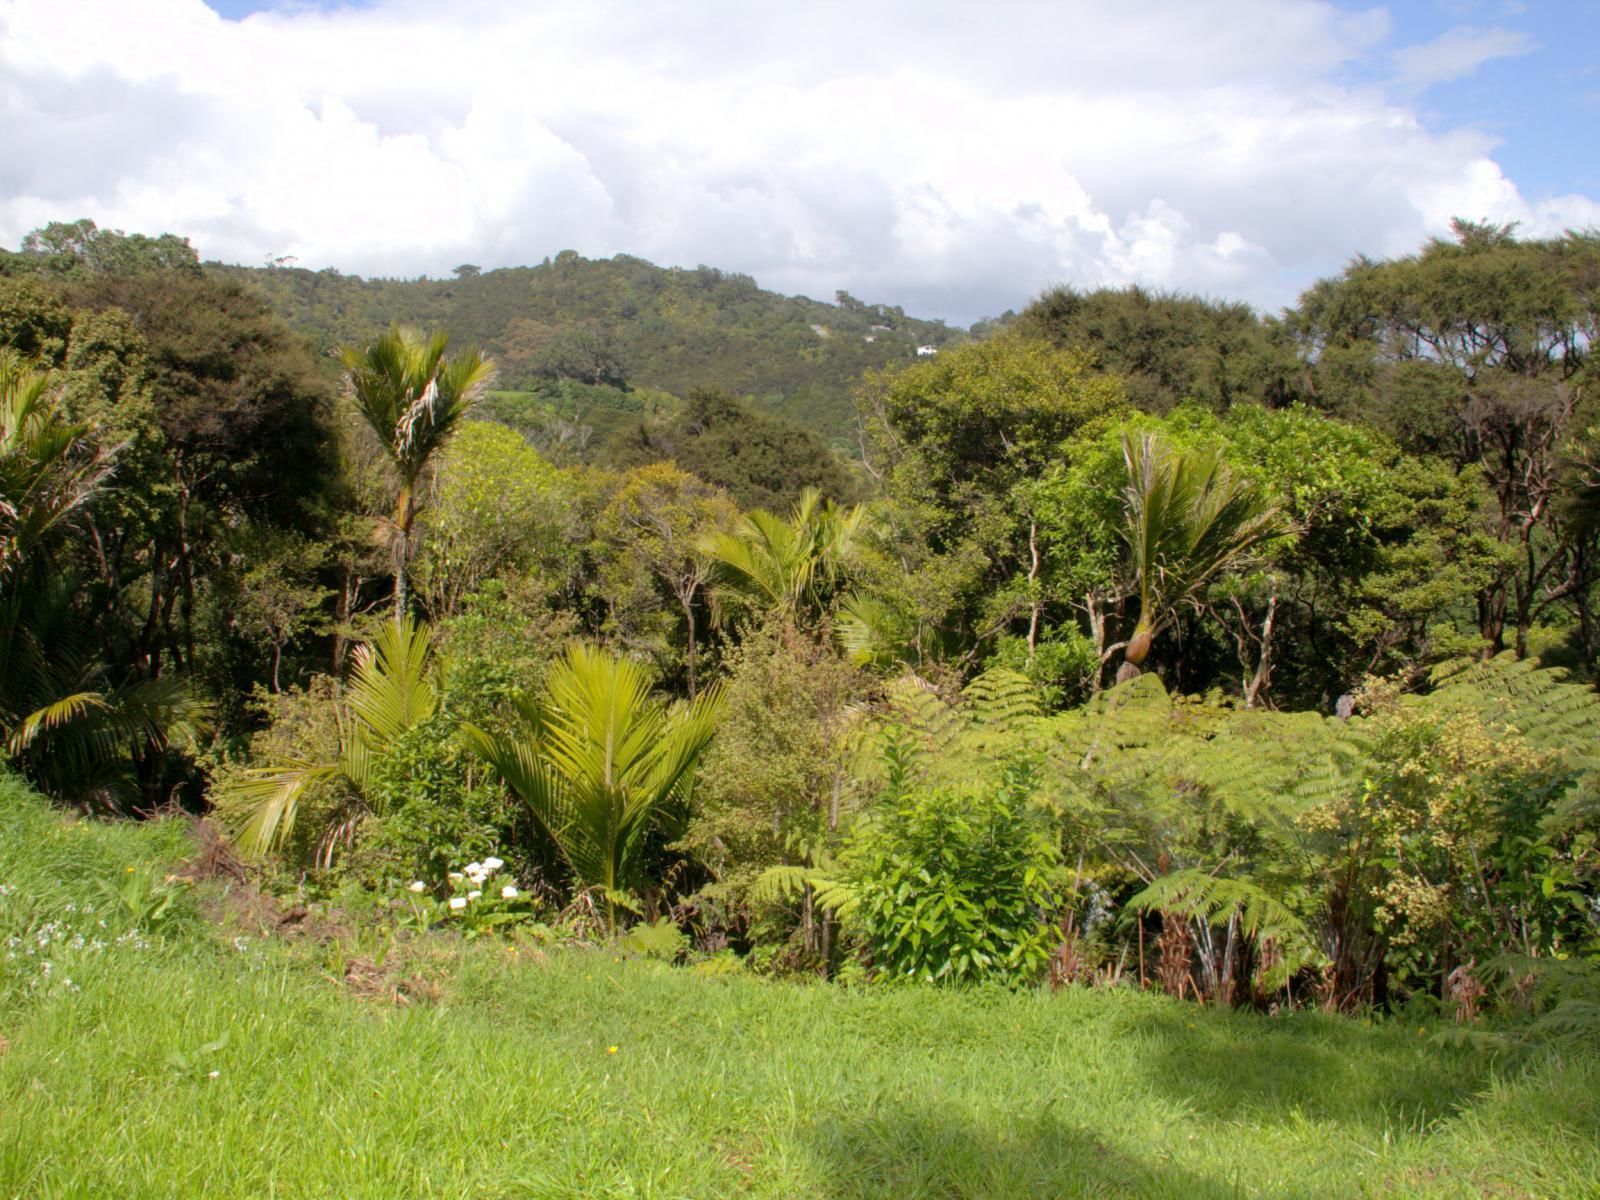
[{"x": 1156, "y": 754}]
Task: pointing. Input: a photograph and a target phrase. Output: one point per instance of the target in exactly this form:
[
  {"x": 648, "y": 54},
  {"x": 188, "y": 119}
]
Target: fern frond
[
  {"x": 916, "y": 706},
  {"x": 1131, "y": 715},
  {"x": 1218, "y": 899},
  {"x": 1001, "y": 699},
  {"x": 1549, "y": 713},
  {"x": 780, "y": 884}
]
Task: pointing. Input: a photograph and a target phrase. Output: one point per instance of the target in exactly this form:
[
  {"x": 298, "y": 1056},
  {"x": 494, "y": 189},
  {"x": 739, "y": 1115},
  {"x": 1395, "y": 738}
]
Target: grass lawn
[{"x": 186, "y": 1061}]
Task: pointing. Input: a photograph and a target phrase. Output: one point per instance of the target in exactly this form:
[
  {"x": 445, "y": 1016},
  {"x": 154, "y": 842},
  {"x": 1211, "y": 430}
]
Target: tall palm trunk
[{"x": 404, "y": 517}]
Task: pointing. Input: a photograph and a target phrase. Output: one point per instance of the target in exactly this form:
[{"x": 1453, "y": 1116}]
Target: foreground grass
[{"x": 180, "y": 1063}]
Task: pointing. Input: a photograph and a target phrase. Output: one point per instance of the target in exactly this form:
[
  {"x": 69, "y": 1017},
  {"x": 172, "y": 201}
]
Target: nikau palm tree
[
  {"x": 790, "y": 563},
  {"x": 50, "y": 467},
  {"x": 1187, "y": 520},
  {"x": 391, "y": 690},
  {"x": 414, "y": 399},
  {"x": 600, "y": 764}
]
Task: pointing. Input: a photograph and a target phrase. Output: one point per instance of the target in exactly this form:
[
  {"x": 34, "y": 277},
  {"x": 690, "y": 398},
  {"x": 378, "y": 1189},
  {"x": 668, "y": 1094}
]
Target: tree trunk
[
  {"x": 403, "y": 518},
  {"x": 1097, "y": 631},
  {"x": 185, "y": 565},
  {"x": 1257, "y": 681},
  {"x": 349, "y": 586},
  {"x": 687, "y": 601},
  {"x": 1033, "y": 589}
]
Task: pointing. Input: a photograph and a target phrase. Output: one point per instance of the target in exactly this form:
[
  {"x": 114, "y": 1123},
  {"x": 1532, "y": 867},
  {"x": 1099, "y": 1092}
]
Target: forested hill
[{"x": 610, "y": 321}]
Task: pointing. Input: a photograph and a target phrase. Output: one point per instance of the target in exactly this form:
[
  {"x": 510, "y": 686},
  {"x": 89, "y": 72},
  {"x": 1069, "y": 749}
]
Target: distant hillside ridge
[{"x": 623, "y": 321}]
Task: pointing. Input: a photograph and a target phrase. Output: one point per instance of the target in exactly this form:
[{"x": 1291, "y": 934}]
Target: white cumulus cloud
[{"x": 953, "y": 159}]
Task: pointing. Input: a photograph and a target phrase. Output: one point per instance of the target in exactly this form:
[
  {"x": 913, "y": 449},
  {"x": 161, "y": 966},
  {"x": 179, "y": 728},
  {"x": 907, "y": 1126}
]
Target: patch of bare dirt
[
  {"x": 388, "y": 984},
  {"x": 236, "y": 904}
]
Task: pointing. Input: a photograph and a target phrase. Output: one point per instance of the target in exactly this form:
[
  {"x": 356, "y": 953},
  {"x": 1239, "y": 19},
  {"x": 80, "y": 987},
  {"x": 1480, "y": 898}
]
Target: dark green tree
[
  {"x": 1478, "y": 348},
  {"x": 1170, "y": 348},
  {"x": 761, "y": 460}
]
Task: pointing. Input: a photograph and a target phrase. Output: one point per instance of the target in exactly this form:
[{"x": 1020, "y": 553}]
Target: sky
[{"x": 951, "y": 158}]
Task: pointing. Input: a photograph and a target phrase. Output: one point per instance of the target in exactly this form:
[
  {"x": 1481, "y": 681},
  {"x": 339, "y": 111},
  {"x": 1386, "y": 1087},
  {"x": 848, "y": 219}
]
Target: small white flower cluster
[
  {"x": 54, "y": 933},
  {"x": 475, "y": 874},
  {"x": 53, "y": 938}
]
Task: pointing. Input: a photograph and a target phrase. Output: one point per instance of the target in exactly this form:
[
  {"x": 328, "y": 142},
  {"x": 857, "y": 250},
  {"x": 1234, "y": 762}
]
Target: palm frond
[
  {"x": 410, "y": 395},
  {"x": 1188, "y": 519},
  {"x": 391, "y": 687},
  {"x": 271, "y": 797},
  {"x": 53, "y": 716},
  {"x": 391, "y": 691},
  {"x": 789, "y": 563},
  {"x": 600, "y": 763}
]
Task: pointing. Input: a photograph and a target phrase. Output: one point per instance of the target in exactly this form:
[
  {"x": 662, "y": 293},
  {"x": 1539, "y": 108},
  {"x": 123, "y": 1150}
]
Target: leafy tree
[
  {"x": 1477, "y": 348},
  {"x": 601, "y": 766},
  {"x": 34, "y": 321},
  {"x": 220, "y": 413},
  {"x": 1377, "y": 569},
  {"x": 957, "y": 444},
  {"x": 974, "y": 420},
  {"x": 658, "y": 521},
  {"x": 1172, "y": 349},
  {"x": 586, "y": 354},
  {"x": 278, "y": 597},
  {"x": 413, "y": 399},
  {"x": 495, "y": 508},
  {"x": 81, "y": 248},
  {"x": 762, "y": 460}
]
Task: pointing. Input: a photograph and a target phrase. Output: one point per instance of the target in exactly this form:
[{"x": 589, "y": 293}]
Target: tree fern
[
  {"x": 1132, "y": 715},
  {"x": 1550, "y": 713},
  {"x": 777, "y": 885},
  {"x": 1219, "y": 899},
  {"x": 1001, "y": 699}
]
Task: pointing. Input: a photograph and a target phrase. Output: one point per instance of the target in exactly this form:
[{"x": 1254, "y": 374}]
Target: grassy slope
[{"x": 718, "y": 1086}]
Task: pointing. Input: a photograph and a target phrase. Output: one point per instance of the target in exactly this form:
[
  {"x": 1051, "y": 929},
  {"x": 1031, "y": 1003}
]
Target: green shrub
[
  {"x": 435, "y": 807},
  {"x": 956, "y": 886},
  {"x": 1062, "y": 663}
]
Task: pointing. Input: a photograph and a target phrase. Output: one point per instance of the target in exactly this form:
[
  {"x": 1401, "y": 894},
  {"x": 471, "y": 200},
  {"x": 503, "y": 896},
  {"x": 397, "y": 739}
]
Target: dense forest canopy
[
  {"x": 1259, "y": 648},
  {"x": 621, "y": 322}
]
